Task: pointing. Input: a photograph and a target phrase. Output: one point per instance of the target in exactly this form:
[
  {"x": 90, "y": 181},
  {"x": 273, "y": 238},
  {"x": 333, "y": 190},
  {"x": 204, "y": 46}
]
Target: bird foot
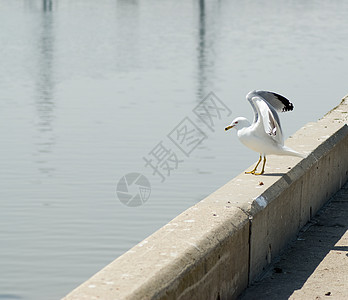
[
  {"x": 254, "y": 172},
  {"x": 258, "y": 173}
]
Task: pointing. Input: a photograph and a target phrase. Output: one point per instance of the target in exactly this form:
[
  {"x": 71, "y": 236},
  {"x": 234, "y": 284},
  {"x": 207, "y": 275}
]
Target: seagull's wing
[
  {"x": 265, "y": 106},
  {"x": 269, "y": 120},
  {"x": 278, "y": 102},
  {"x": 253, "y": 105}
]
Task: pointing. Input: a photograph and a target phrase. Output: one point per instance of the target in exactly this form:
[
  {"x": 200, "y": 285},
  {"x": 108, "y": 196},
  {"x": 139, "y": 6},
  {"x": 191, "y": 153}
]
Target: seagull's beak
[{"x": 229, "y": 127}]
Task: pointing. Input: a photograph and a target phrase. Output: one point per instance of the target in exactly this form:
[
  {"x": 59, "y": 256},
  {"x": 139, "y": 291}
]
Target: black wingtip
[{"x": 288, "y": 106}]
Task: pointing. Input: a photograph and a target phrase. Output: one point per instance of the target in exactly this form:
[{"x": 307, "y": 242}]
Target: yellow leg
[
  {"x": 263, "y": 167},
  {"x": 254, "y": 170}
]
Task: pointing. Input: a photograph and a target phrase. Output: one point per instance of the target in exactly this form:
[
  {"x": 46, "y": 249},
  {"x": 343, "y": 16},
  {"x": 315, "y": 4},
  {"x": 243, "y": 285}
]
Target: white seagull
[{"x": 265, "y": 134}]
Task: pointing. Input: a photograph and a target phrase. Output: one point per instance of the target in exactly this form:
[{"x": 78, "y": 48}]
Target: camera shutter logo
[{"x": 133, "y": 189}]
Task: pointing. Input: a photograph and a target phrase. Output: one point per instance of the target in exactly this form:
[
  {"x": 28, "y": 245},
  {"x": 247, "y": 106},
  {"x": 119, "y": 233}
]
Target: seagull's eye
[{"x": 236, "y": 122}]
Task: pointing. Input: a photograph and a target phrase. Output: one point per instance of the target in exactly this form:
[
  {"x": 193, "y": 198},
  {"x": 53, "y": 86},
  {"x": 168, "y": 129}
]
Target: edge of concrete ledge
[{"x": 221, "y": 244}]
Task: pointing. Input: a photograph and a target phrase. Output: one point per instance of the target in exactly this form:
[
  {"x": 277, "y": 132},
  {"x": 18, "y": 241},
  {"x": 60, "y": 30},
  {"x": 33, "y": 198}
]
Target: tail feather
[{"x": 291, "y": 152}]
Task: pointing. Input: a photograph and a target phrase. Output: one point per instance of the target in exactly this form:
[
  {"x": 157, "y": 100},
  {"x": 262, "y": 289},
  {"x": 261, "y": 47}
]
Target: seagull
[{"x": 265, "y": 134}]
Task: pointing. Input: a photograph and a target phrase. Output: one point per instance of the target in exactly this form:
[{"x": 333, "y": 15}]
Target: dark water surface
[{"x": 88, "y": 89}]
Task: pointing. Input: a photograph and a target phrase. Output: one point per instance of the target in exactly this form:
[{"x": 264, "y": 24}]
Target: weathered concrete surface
[
  {"x": 213, "y": 249},
  {"x": 196, "y": 249},
  {"x": 316, "y": 265}
]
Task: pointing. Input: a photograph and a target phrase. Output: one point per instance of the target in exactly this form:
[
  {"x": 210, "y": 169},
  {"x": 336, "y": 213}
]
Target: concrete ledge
[{"x": 215, "y": 248}]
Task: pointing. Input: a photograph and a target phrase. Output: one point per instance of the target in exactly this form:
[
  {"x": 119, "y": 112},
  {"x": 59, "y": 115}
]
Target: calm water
[{"x": 89, "y": 88}]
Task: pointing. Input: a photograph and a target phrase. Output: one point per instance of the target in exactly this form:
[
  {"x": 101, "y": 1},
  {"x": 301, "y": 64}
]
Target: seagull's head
[{"x": 238, "y": 123}]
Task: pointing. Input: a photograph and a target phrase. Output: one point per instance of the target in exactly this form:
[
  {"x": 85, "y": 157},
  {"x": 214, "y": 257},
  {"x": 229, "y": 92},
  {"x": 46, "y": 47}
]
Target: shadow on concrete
[
  {"x": 302, "y": 258},
  {"x": 273, "y": 174}
]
